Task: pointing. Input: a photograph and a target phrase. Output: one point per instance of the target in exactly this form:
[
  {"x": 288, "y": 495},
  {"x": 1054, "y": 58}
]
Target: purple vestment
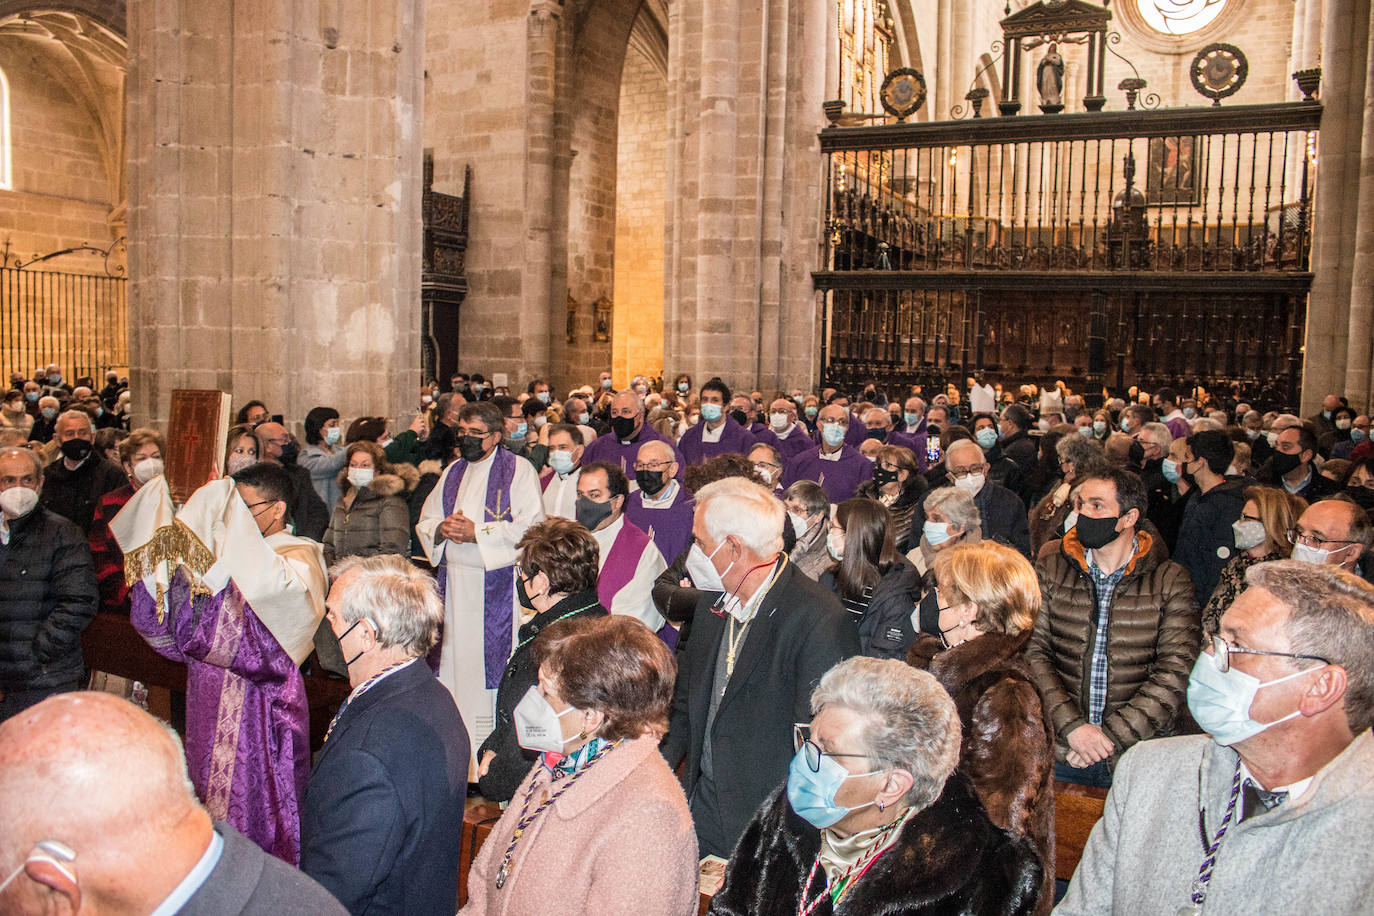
[
  {"x": 733, "y": 438},
  {"x": 247, "y": 720},
  {"x": 621, "y": 562},
  {"x": 670, "y": 527},
  {"x": 916, "y": 441},
  {"x": 498, "y": 600},
  {"x": 839, "y": 479},
  {"x": 797, "y": 441},
  {"x": 623, "y": 454}
]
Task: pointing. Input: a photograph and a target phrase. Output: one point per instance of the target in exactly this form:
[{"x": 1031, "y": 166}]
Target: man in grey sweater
[{"x": 1271, "y": 813}]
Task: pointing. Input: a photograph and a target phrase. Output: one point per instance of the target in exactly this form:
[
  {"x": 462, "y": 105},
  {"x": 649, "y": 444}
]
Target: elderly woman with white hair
[
  {"x": 873, "y": 818},
  {"x": 951, "y": 517},
  {"x": 377, "y": 822}
]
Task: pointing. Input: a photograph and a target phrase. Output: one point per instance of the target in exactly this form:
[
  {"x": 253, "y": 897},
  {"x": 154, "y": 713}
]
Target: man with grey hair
[
  {"x": 762, "y": 635},
  {"x": 97, "y": 815},
  {"x": 1286, "y": 692},
  {"x": 1002, "y": 512},
  {"x": 48, "y": 590},
  {"x": 628, "y": 432},
  {"x": 871, "y": 782},
  {"x": 391, "y": 779},
  {"x": 73, "y": 485}
]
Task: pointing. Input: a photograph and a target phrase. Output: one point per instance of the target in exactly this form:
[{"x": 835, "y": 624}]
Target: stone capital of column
[{"x": 544, "y": 10}]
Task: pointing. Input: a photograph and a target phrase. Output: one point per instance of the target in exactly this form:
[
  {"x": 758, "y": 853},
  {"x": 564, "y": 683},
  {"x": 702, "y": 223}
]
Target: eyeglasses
[
  {"x": 470, "y": 431},
  {"x": 801, "y": 739},
  {"x": 1298, "y": 536},
  {"x": 652, "y": 466},
  {"x": 961, "y": 473},
  {"x": 1222, "y": 651}
]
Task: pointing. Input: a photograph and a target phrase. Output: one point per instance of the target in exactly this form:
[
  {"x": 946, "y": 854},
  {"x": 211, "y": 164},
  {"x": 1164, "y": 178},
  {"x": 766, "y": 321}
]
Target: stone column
[
  {"x": 1344, "y": 52},
  {"x": 541, "y": 212},
  {"x": 274, "y": 202},
  {"x": 1359, "y": 374}
]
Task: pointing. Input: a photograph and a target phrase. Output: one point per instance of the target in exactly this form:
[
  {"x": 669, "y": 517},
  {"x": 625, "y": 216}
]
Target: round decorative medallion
[
  {"x": 1218, "y": 71},
  {"x": 903, "y": 92}
]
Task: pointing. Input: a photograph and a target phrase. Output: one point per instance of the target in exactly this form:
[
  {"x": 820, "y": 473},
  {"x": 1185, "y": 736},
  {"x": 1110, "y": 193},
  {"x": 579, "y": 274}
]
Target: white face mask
[
  {"x": 798, "y": 523},
  {"x": 238, "y": 463},
  {"x": 834, "y": 545},
  {"x": 1316, "y": 555},
  {"x": 765, "y": 473},
  {"x": 361, "y": 477},
  {"x": 148, "y": 468},
  {"x": 1272, "y": 437},
  {"x": 702, "y": 571},
  {"x": 1248, "y": 533},
  {"x": 537, "y": 723},
  {"x": 973, "y": 482},
  {"x": 1070, "y": 520},
  {"x": 779, "y": 420},
  {"x": 17, "y": 501}
]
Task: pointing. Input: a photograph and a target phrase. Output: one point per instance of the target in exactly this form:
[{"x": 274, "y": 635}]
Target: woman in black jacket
[
  {"x": 876, "y": 583},
  {"x": 897, "y": 484},
  {"x": 555, "y": 580}
]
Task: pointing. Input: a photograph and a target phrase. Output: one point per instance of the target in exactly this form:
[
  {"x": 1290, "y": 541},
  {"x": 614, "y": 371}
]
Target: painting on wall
[{"x": 1173, "y": 175}]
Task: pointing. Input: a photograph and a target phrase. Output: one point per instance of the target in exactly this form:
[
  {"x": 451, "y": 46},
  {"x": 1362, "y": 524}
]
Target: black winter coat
[
  {"x": 885, "y": 629},
  {"x": 74, "y": 494},
  {"x": 948, "y": 859},
  {"x": 1206, "y": 541},
  {"x": 512, "y": 763},
  {"x": 48, "y": 596}
]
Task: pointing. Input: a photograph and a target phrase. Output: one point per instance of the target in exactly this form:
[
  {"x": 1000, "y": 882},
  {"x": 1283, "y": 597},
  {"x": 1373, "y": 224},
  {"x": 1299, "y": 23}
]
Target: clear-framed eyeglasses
[{"x": 1223, "y": 650}]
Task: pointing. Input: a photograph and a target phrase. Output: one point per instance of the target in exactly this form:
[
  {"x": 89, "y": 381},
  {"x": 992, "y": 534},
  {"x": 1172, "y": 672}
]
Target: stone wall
[
  {"x": 641, "y": 179},
  {"x": 60, "y": 195},
  {"x": 274, "y": 202}
]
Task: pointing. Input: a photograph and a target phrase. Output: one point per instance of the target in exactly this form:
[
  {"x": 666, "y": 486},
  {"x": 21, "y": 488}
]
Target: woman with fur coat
[{"x": 372, "y": 515}]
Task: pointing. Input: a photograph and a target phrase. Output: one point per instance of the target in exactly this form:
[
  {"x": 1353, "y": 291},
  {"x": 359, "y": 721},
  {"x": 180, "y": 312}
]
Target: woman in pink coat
[{"x": 600, "y": 824}]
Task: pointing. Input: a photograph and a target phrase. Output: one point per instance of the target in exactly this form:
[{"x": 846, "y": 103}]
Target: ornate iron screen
[{"x": 1106, "y": 248}]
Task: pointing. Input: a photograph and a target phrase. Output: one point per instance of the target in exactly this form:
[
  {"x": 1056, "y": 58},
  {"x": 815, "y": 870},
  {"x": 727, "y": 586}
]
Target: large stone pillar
[
  {"x": 1359, "y": 374},
  {"x": 1345, "y": 56},
  {"x": 274, "y": 202}
]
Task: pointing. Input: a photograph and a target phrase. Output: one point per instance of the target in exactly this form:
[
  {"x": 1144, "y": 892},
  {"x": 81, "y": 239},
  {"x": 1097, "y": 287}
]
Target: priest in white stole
[
  {"x": 469, "y": 526},
  {"x": 226, "y": 589}
]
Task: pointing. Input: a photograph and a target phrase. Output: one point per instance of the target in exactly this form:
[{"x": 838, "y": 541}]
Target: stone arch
[
  {"x": 6, "y": 152},
  {"x": 109, "y": 14}
]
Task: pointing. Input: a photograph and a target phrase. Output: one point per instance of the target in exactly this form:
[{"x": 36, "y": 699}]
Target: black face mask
[
  {"x": 1186, "y": 475},
  {"x": 1136, "y": 455},
  {"x": 880, "y": 434},
  {"x": 1096, "y": 533},
  {"x": 933, "y": 430},
  {"x": 882, "y": 476},
  {"x": 289, "y": 452},
  {"x": 591, "y": 513},
  {"x": 929, "y": 609},
  {"x": 740, "y": 417},
  {"x": 623, "y": 427},
  {"x": 470, "y": 448},
  {"x": 1284, "y": 463},
  {"x": 651, "y": 482},
  {"x": 1363, "y": 496},
  {"x": 526, "y": 599},
  {"x": 76, "y": 449}
]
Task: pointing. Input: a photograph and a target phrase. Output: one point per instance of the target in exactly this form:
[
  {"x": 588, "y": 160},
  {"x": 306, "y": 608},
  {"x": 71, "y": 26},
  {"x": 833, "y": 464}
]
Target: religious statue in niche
[
  {"x": 601, "y": 329},
  {"x": 1049, "y": 80},
  {"x": 572, "y": 318}
]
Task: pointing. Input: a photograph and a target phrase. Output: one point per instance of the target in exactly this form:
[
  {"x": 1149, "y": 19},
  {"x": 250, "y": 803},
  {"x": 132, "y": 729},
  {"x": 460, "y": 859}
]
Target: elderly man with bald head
[
  {"x": 48, "y": 591},
  {"x": 661, "y": 506},
  {"x": 97, "y": 815},
  {"x": 628, "y": 432},
  {"x": 834, "y": 464},
  {"x": 1003, "y": 513}
]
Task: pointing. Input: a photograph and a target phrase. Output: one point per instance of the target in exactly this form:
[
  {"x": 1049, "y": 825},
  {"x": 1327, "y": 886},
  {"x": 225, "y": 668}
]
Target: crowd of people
[{"x": 846, "y": 642}]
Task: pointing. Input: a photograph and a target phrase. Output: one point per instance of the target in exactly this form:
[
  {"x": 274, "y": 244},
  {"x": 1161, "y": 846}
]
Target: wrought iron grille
[
  {"x": 1113, "y": 248},
  {"x": 79, "y": 321}
]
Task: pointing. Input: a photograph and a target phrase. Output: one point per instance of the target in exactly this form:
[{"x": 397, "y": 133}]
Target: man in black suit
[
  {"x": 97, "y": 815},
  {"x": 763, "y": 634},
  {"x": 380, "y": 825}
]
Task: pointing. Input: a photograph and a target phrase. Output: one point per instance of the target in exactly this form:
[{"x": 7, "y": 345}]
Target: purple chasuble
[
  {"x": 839, "y": 479},
  {"x": 915, "y": 441},
  {"x": 670, "y": 527},
  {"x": 623, "y": 454},
  {"x": 621, "y": 562},
  {"x": 498, "y": 598},
  {"x": 247, "y": 720},
  {"x": 797, "y": 441},
  {"x": 733, "y": 438}
]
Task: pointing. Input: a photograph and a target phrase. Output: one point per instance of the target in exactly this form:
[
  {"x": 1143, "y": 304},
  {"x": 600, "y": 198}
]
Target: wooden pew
[
  {"x": 111, "y": 644},
  {"x": 1076, "y": 810}
]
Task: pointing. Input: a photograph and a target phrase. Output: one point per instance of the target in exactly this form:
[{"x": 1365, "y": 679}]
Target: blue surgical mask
[
  {"x": 833, "y": 434},
  {"x": 1358, "y": 435},
  {"x": 711, "y": 412},
  {"x": 911, "y": 419},
  {"x": 31, "y": 396},
  {"x": 333, "y": 435},
  {"x": 561, "y": 462},
  {"x": 521, "y": 429},
  {"x": 683, "y": 387},
  {"x": 543, "y": 397},
  {"x": 811, "y": 411},
  {"x": 584, "y": 418},
  {"x": 1099, "y": 427},
  {"x": 48, "y": 412},
  {"x": 936, "y": 532},
  {"x": 1170, "y": 470},
  {"x": 1086, "y": 431},
  {"x": 812, "y": 794},
  {"x": 986, "y": 437},
  {"x": 1220, "y": 702}
]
